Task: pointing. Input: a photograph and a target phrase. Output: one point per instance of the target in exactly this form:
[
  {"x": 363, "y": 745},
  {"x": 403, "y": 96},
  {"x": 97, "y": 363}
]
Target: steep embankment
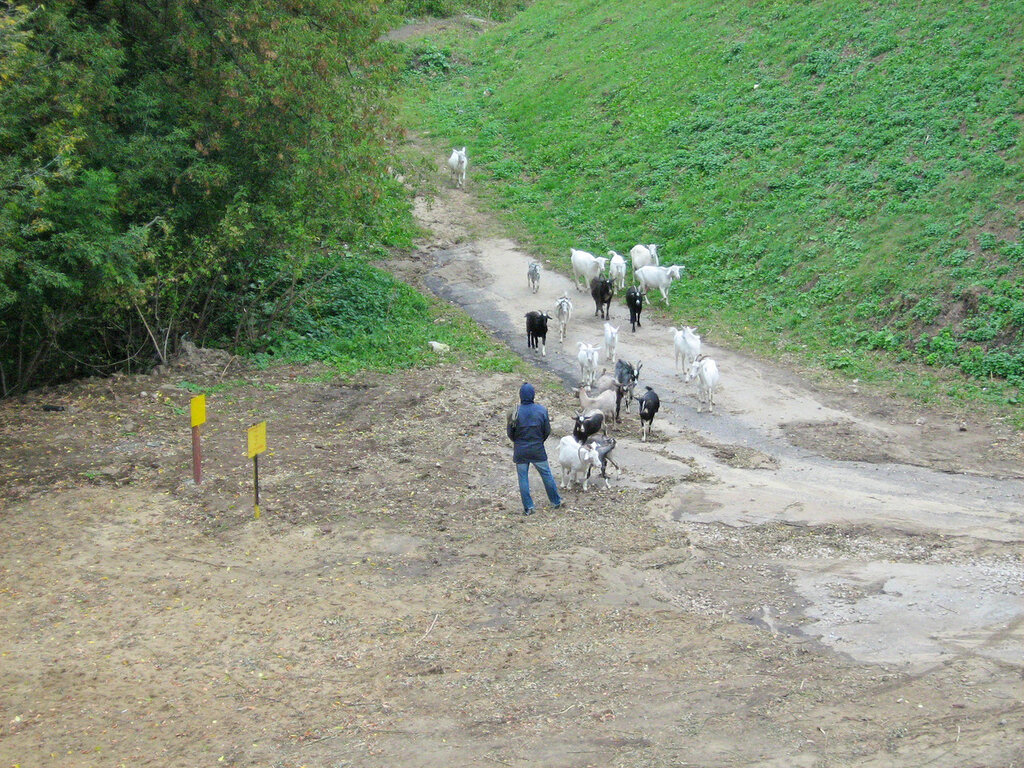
[{"x": 840, "y": 180}]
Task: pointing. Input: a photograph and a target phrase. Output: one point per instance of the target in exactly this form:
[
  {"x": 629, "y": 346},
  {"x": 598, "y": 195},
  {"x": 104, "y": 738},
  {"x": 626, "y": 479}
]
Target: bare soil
[{"x": 805, "y": 577}]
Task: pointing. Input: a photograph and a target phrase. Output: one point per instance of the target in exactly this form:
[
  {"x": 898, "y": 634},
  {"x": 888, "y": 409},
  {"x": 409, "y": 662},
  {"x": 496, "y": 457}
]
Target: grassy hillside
[{"x": 841, "y": 180}]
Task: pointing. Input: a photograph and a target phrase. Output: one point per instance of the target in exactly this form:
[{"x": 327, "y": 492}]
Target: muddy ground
[{"x": 810, "y": 576}]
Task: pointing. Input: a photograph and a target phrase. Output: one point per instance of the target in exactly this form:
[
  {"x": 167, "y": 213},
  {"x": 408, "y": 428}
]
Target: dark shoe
[
  {"x": 559, "y": 505},
  {"x": 528, "y": 511}
]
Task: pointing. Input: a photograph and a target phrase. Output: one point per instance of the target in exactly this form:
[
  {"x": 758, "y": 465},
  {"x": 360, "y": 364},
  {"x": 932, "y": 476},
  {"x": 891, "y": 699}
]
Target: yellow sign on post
[
  {"x": 198, "y": 410},
  {"x": 257, "y": 439},
  {"x": 257, "y": 445}
]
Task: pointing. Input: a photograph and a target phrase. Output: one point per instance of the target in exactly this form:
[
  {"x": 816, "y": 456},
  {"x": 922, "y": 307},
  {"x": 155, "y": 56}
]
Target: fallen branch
[{"x": 429, "y": 628}]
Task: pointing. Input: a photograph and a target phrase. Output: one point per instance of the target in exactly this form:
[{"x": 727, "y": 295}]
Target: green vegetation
[
  {"x": 183, "y": 167},
  {"x": 493, "y": 9},
  {"x": 842, "y": 181},
  {"x": 363, "y": 318}
]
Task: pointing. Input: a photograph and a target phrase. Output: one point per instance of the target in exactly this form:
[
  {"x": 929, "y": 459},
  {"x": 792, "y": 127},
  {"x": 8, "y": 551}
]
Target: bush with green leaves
[{"x": 182, "y": 167}]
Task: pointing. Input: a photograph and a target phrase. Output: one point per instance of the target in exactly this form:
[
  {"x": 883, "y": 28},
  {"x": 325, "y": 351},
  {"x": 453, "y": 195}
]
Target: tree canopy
[{"x": 181, "y": 167}]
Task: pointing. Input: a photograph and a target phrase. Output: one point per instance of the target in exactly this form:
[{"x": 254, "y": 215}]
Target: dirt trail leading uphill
[{"x": 782, "y": 451}]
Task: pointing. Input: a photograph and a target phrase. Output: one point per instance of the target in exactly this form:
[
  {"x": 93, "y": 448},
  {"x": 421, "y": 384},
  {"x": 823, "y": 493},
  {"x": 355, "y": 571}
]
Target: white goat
[
  {"x": 576, "y": 460},
  {"x": 687, "y": 344},
  {"x": 611, "y": 341},
  {"x": 643, "y": 255},
  {"x": 585, "y": 266},
  {"x": 705, "y": 370},
  {"x": 563, "y": 311},
  {"x": 617, "y": 270},
  {"x": 458, "y": 161},
  {"x": 657, "y": 277},
  {"x": 587, "y": 359},
  {"x": 604, "y": 402},
  {"x": 533, "y": 276}
]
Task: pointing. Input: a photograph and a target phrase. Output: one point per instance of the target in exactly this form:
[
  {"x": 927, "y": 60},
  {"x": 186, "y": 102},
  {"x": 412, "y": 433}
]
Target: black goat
[
  {"x": 586, "y": 425},
  {"x": 537, "y": 330},
  {"x": 635, "y": 302},
  {"x": 626, "y": 376},
  {"x": 602, "y": 289},
  {"x": 649, "y": 405},
  {"x": 604, "y": 446}
]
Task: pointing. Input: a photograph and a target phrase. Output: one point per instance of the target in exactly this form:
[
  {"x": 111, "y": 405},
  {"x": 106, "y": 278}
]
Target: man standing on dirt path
[{"x": 528, "y": 429}]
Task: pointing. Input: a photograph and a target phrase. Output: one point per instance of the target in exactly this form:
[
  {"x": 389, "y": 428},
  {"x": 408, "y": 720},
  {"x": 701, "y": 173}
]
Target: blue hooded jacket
[{"x": 530, "y": 428}]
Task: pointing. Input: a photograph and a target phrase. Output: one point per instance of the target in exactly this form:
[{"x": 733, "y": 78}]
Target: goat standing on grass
[
  {"x": 533, "y": 276},
  {"x": 658, "y": 277},
  {"x": 563, "y": 311},
  {"x": 642, "y": 255},
  {"x": 585, "y": 267},
  {"x": 458, "y": 161}
]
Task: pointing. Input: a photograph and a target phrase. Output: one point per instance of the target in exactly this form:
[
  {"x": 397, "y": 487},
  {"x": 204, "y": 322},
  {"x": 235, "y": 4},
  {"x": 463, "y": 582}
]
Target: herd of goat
[{"x": 601, "y": 396}]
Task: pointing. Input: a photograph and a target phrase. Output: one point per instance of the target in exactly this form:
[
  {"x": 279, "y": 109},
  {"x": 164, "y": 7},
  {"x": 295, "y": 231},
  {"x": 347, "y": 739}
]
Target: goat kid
[
  {"x": 537, "y": 330},
  {"x": 611, "y": 342},
  {"x": 458, "y": 161},
  {"x": 617, "y": 270},
  {"x": 635, "y": 302},
  {"x": 533, "y": 276},
  {"x": 604, "y": 445},
  {"x": 586, "y": 358},
  {"x": 649, "y": 403},
  {"x": 687, "y": 346},
  {"x": 563, "y": 311},
  {"x": 626, "y": 376},
  {"x": 705, "y": 370}
]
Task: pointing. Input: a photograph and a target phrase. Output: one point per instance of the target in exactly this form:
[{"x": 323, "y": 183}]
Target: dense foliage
[
  {"x": 182, "y": 167},
  {"x": 840, "y": 179}
]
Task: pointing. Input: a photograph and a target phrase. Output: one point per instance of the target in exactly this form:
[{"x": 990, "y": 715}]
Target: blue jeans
[{"x": 522, "y": 471}]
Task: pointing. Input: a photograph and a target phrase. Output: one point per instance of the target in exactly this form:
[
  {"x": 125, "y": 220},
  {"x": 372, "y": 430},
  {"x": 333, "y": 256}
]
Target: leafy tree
[{"x": 181, "y": 167}]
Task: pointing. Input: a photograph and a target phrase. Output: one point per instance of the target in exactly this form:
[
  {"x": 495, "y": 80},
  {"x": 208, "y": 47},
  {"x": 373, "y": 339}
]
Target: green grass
[
  {"x": 841, "y": 181},
  {"x": 362, "y": 318}
]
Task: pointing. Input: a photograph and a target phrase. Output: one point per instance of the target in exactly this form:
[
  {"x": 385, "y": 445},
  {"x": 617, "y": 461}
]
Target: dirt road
[
  {"x": 782, "y": 452},
  {"x": 806, "y": 577}
]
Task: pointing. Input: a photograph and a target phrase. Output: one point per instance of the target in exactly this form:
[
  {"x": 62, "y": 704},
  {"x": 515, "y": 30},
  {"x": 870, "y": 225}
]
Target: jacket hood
[{"x": 526, "y": 393}]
